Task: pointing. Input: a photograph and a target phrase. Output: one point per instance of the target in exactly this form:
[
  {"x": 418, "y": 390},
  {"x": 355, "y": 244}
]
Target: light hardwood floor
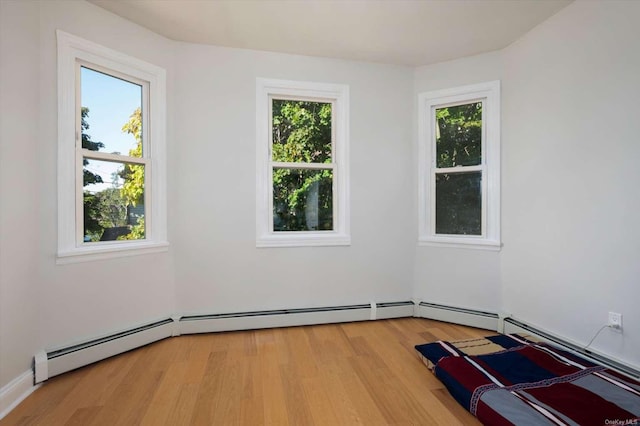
[{"x": 340, "y": 374}]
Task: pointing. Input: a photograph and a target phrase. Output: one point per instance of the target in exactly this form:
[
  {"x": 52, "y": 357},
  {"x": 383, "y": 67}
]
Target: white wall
[
  {"x": 468, "y": 278},
  {"x": 218, "y": 267},
  {"x": 571, "y": 201},
  {"x": 44, "y": 305},
  {"x": 211, "y": 127},
  {"x": 19, "y": 180},
  {"x": 82, "y": 300},
  {"x": 570, "y": 233}
]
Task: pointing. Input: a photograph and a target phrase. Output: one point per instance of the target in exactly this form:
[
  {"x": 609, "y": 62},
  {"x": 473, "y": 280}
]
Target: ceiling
[{"x": 404, "y": 32}]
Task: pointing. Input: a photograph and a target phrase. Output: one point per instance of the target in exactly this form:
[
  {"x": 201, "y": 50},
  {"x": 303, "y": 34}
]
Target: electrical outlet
[{"x": 615, "y": 320}]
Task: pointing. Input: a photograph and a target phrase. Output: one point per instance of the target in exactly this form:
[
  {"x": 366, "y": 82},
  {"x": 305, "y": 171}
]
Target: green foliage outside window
[
  {"x": 111, "y": 208},
  {"x": 458, "y": 144},
  {"x": 133, "y": 175},
  {"x": 302, "y": 133},
  {"x": 459, "y": 137},
  {"x": 92, "y": 227}
]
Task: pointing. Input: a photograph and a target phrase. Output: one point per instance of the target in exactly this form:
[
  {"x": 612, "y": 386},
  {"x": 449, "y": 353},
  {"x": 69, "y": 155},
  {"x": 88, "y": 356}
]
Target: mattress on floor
[{"x": 515, "y": 380}]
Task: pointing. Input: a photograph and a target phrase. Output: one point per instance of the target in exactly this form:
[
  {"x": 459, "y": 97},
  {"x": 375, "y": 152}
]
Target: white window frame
[
  {"x": 428, "y": 102},
  {"x": 338, "y": 96},
  {"x": 72, "y": 53}
]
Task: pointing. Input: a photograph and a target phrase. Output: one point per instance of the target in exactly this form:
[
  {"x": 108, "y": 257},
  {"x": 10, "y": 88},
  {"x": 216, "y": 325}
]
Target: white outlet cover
[{"x": 615, "y": 319}]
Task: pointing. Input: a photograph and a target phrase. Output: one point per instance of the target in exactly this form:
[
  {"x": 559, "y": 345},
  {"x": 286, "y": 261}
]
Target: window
[
  {"x": 302, "y": 175},
  {"x": 111, "y": 153},
  {"x": 459, "y": 167}
]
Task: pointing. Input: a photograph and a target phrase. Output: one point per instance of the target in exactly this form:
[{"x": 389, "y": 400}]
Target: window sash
[
  {"x": 115, "y": 158},
  {"x": 483, "y": 195},
  {"x": 303, "y": 165},
  {"x": 268, "y": 90},
  {"x": 435, "y": 170},
  {"x": 82, "y": 153},
  {"x": 334, "y": 207},
  {"x": 489, "y": 167},
  {"x": 82, "y": 211},
  {"x": 71, "y": 51},
  {"x": 287, "y": 165},
  {"x": 123, "y": 160},
  {"x": 303, "y": 99},
  {"x": 145, "y": 104}
]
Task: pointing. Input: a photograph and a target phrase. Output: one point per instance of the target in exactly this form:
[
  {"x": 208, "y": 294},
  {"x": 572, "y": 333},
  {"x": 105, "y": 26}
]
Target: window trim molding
[
  {"x": 266, "y": 89},
  {"x": 488, "y": 92},
  {"x": 70, "y": 50}
]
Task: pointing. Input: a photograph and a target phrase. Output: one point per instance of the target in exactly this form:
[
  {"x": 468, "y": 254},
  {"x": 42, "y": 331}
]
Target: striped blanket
[{"x": 513, "y": 380}]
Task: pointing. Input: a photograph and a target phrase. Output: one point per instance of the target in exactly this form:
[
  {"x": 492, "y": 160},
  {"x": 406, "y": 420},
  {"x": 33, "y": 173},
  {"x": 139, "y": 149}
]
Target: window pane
[
  {"x": 301, "y": 131},
  {"x": 111, "y": 114},
  {"x": 302, "y": 200},
  {"x": 113, "y": 199},
  {"x": 459, "y": 203},
  {"x": 459, "y": 135}
]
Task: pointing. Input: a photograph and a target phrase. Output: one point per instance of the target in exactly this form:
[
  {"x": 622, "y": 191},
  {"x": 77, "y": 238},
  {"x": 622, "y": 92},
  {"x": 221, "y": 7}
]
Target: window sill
[
  {"x": 303, "y": 239},
  {"x": 110, "y": 251},
  {"x": 461, "y": 242}
]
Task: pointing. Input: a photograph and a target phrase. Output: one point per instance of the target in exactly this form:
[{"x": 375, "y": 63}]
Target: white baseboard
[
  {"x": 15, "y": 392},
  {"x": 394, "y": 310},
  {"x": 455, "y": 315},
  {"x": 506, "y": 324},
  {"x": 212, "y": 324},
  {"x": 293, "y": 317},
  {"x": 513, "y": 325},
  {"x": 53, "y": 363}
]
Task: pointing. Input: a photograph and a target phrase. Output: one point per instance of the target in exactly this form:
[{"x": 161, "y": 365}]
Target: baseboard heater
[
  {"x": 512, "y": 325},
  {"x": 53, "y": 363},
  {"x": 191, "y": 324},
  {"x": 48, "y": 364},
  {"x": 456, "y": 315}
]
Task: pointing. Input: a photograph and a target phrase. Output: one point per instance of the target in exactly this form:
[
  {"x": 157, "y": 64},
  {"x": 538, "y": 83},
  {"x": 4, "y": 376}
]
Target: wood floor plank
[
  {"x": 83, "y": 416},
  {"x": 211, "y": 386},
  {"x": 358, "y": 396},
  {"x": 274, "y": 401},
  {"x": 167, "y": 394},
  {"x": 336, "y": 384},
  {"x": 335, "y": 374}
]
